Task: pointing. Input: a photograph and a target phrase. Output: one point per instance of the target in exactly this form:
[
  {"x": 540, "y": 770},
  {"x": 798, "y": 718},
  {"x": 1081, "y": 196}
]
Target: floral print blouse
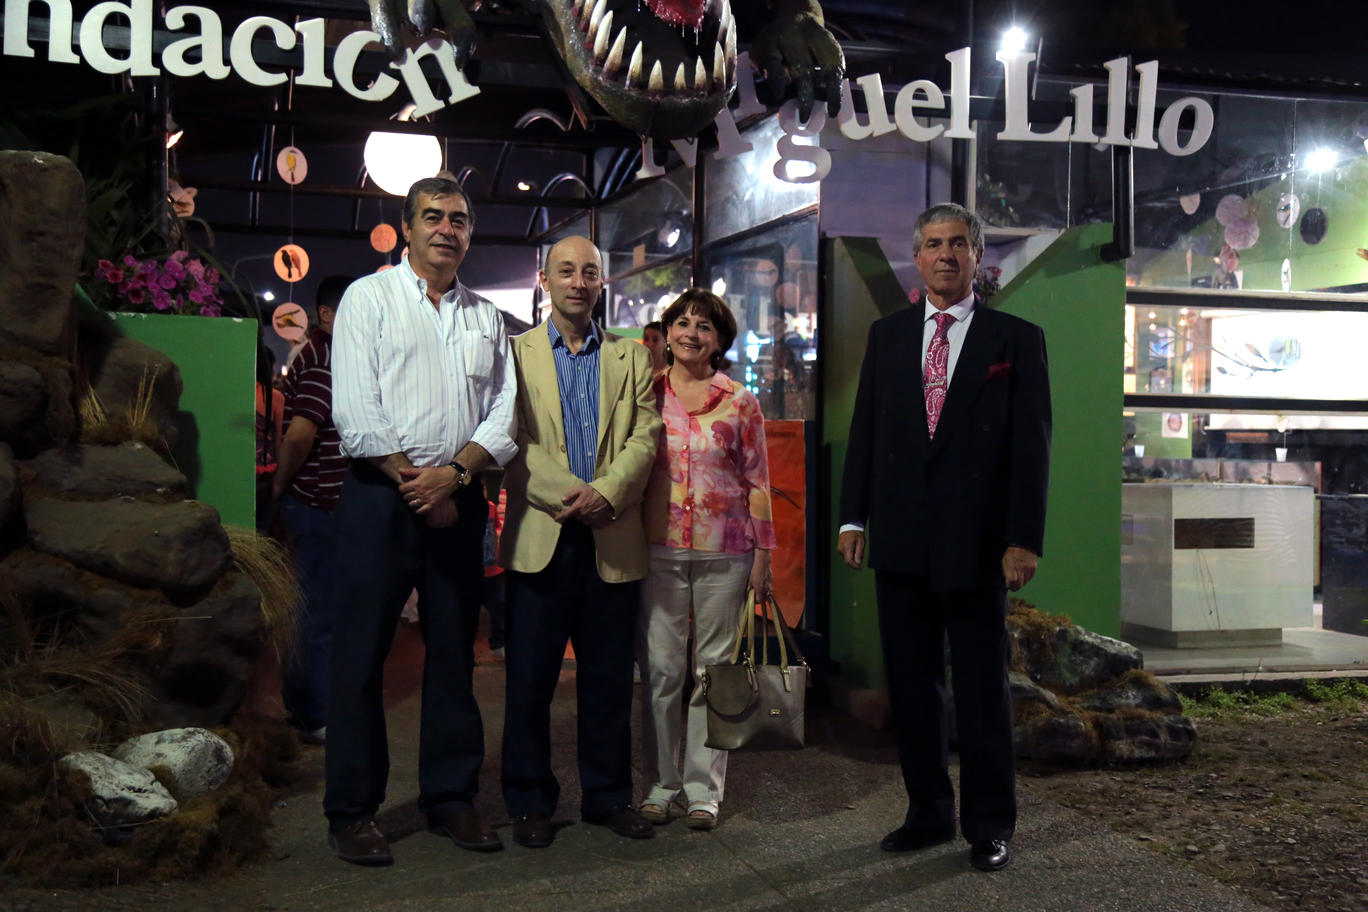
[{"x": 709, "y": 489}]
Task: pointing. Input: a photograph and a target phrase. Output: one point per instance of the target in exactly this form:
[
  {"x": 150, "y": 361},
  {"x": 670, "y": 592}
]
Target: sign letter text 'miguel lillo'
[{"x": 197, "y": 48}]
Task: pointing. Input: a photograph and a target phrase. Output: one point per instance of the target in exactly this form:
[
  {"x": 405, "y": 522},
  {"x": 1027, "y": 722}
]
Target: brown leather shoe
[
  {"x": 361, "y": 843},
  {"x": 624, "y": 821},
  {"x": 533, "y": 831},
  {"x": 465, "y": 828}
]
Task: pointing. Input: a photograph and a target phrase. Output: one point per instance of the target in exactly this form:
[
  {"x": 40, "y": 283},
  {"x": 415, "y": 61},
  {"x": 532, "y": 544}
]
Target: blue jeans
[{"x": 313, "y": 536}]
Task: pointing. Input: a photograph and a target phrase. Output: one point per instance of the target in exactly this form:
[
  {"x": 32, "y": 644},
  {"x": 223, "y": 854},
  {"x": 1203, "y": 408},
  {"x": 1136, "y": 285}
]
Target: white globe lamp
[{"x": 395, "y": 160}]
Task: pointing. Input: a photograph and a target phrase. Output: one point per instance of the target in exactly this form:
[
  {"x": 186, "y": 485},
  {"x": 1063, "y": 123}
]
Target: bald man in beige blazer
[{"x": 575, "y": 547}]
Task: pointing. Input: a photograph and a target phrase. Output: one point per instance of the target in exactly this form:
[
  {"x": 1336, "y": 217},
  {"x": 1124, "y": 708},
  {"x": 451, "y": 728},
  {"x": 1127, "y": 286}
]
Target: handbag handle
[
  {"x": 745, "y": 632},
  {"x": 783, "y": 633}
]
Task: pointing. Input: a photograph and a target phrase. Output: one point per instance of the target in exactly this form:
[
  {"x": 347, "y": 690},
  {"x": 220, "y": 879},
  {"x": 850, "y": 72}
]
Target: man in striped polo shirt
[{"x": 307, "y": 482}]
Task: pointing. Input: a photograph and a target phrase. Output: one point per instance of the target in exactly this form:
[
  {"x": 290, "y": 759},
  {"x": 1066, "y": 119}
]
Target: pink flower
[
  {"x": 195, "y": 268},
  {"x": 210, "y": 310},
  {"x": 147, "y": 267},
  {"x": 130, "y": 261},
  {"x": 175, "y": 270},
  {"x": 211, "y": 275},
  {"x": 914, "y": 295},
  {"x": 196, "y": 296},
  {"x": 113, "y": 275},
  {"x": 178, "y": 257},
  {"x": 161, "y": 300},
  {"x": 135, "y": 295},
  {"x": 167, "y": 281}
]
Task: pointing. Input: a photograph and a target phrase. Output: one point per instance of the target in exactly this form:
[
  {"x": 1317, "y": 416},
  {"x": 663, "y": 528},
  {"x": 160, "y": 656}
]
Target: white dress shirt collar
[{"x": 959, "y": 310}]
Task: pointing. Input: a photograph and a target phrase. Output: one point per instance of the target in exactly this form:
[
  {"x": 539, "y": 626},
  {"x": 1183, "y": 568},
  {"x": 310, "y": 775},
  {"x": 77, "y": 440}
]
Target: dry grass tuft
[
  {"x": 270, "y": 568},
  {"x": 135, "y": 423}
]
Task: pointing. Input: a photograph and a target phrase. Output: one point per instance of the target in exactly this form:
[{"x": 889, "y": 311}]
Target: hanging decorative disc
[
  {"x": 1190, "y": 202},
  {"x": 290, "y": 321},
  {"x": 384, "y": 238},
  {"x": 291, "y": 263},
  {"x": 384, "y": 266},
  {"x": 292, "y": 165},
  {"x": 1287, "y": 275},
  {"x": 1289, "y": 208},
  {"x": 1313, "y": 225}
]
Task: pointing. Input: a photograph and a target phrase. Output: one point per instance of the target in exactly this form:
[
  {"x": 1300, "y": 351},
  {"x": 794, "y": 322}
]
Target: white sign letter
[
  {"x": 959, "y": 95},
  {"x": 240, "y": 48},
  {"x": 790, "y": 150},
  {"x": 139, "y": 62},
  {"x": 424, "y": 101},
  {"x": 344, "y": 67},
  {"x": 877, "y": 123},
  {"x": 208, "y": 40},
  {"x": 1018, "y": 124},
  {"x": 1203, "y": 120},
  {"x": 1143, "y": 137},
  {"x": 59, "y": 30},
  {"x": 1117, "y": 76},
  {"x": 315, "y": 43},
  {"x": 906, "y": 104}
]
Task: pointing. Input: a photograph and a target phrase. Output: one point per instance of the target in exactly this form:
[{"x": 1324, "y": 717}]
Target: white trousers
[{"x": 680, "y": 597}]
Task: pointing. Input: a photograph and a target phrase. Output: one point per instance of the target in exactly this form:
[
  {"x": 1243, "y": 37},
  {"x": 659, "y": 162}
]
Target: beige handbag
[{"x": 757, "y": 706}]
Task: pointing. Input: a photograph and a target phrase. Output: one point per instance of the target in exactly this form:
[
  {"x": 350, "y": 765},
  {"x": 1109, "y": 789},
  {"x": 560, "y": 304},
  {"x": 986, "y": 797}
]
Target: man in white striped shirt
[{"x": 424, "y": 398}]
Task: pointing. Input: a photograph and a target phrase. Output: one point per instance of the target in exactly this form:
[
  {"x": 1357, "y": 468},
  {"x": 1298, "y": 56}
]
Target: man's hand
[
  {"x": 587, "y": 505},
  {"x": 1018, "y": 566},
  {"x": 850, "y": 545},
  {"x": 443, "y": 514},
  {"x": 424, "y": 489}
]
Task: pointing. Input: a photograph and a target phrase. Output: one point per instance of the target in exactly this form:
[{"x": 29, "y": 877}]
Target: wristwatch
[{"x": 463, "y": 476}]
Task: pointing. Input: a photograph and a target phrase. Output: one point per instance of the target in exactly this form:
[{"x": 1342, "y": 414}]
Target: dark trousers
[
  {"x": 569, "y": 602},
  {"x": 313, "y": 538},
  {"x": 384, "y": 550},
  {"x": 913, "y": 624}
]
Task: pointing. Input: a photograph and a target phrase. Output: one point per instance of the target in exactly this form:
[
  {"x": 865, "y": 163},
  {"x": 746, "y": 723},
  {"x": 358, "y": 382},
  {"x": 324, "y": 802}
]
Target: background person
[
  {"x": 653, "y": 337},
  {"x": 708, "y": 521},
  {"x": 306, "y": 485}
]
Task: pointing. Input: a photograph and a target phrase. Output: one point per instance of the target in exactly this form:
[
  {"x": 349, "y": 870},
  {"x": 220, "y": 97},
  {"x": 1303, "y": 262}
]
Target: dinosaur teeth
[
  {"x": 634, "y": 67},
  {"x": 724, "y": 19},
  {"x": 680, "y": 83},
  {"x": 587, "y": 13},
  {"x": 731, "y": 52},
  {"x": 577, "y": 8},
  {"x": 599, "y": 9},
  {"x": 700, "y": 79},
  {"x": 719, "y": 69},
  {"x": 605, "y": 29},
  {"x": 615, "y": 54},
  {"x": 657, "y": 81}
]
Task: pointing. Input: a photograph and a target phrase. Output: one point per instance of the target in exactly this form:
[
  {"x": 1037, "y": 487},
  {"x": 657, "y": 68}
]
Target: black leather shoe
[
  {"x": 990, "y": 855},
  {"x": 361, "y": 843},
  {"x": 906, "y": 839},
  {"x": 624, "y": 821},
  {"x": 533, "y": 831},
  {"x": 465, "y": 828}
]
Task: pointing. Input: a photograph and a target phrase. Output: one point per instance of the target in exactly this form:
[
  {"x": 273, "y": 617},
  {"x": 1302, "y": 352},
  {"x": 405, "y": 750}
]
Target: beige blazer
[{"x": 539, "y": 476}]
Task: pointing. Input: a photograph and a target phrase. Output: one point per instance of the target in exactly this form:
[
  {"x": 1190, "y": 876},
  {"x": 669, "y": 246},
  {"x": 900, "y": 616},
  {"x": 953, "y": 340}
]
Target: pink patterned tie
[{"x": 936, "y": 376}]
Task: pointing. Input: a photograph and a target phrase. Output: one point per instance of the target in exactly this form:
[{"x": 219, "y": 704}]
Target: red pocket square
[{"x": 1001, "y": 369}]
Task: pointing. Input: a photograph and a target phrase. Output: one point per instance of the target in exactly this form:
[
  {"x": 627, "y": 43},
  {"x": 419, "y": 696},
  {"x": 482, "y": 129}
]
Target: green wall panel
[
  {"x": 1079, "y": 301},
  {"x": 217, "y": 361}
]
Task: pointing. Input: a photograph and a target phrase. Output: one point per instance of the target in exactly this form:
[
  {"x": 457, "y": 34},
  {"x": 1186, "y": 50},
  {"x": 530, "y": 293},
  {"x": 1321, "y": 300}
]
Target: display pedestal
[{"x": 1215, "y": 564}]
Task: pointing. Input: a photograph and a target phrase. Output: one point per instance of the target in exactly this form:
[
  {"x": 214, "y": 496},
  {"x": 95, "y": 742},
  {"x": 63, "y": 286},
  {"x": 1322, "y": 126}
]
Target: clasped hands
[
  {"x": 427, "y": 492},
  {"x": 587, "y": 505}
]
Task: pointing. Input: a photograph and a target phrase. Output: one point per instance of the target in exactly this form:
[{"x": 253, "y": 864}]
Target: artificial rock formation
[
  {"x": 1080, "y": 697},
  {"x": 121, "y": 794},
  {"x": 196, "y": 760}
]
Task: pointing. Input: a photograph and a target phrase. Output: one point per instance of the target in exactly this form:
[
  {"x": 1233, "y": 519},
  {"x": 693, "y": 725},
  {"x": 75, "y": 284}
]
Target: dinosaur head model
[
  {"x": 658, "y": 67},
  {"x": 661, "y": 68}
]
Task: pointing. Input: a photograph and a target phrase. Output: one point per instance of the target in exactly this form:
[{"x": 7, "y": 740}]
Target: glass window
[
  {"x": 770, "y": 282},
  {"x": 741, "y": 192},
  {"x": 652, "y": 224},
  {"x": 639, "y": 298},
  {"x": 1206, "y": 349}
]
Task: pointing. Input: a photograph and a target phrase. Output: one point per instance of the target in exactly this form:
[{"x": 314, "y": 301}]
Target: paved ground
[{"x": 800, "y": 830}]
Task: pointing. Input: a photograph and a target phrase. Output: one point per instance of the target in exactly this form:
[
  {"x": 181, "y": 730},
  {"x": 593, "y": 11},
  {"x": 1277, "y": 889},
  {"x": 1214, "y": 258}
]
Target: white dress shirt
[
  {"x": 422, "y": 380},
  {"x": 963, "y": 312}
]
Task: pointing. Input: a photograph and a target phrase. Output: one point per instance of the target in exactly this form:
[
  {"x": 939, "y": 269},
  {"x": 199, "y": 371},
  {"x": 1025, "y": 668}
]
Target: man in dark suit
[{"x": 953, "y": 494}]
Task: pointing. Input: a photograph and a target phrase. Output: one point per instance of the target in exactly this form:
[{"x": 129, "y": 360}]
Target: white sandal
[
  {"x": 655, "y": 812},
  {"x": 701, "y": 817}
]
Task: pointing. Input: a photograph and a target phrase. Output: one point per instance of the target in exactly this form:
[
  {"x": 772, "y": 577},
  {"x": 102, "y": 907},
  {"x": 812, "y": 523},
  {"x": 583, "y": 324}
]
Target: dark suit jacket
[{"x": 949, "y": 506}]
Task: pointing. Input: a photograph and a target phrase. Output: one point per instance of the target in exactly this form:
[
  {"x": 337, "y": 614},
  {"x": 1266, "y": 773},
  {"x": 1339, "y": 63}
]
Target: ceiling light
[
  {"x": 524, "y": 186},
  {"x": 173, "y": 138},
  {"x": 1014, "y": 39},
  {"x": 268, "y": 296},
  {"x": 1321, "y": 159},
  {"x": 395, "y": 160},
  {"x": 719, "y": 286}
]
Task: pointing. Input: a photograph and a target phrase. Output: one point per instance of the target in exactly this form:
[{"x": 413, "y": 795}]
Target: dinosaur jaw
[{"x": 662, "y": 68}]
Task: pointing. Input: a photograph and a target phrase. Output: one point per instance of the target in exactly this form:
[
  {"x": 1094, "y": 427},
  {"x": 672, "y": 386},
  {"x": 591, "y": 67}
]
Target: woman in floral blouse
[{"x": 707, "y": 512}]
